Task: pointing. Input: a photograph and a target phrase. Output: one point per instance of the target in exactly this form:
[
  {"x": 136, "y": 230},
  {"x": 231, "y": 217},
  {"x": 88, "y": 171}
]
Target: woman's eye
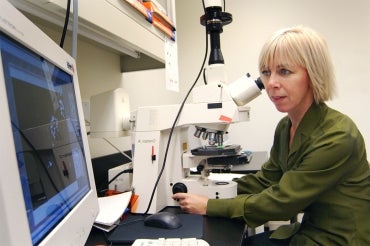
[
  {"x": 266, "y": 73},
  {"x": 284, "y": 71}
]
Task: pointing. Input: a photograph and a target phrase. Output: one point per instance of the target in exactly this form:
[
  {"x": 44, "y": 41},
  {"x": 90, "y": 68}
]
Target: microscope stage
[{"x": 215, "y": 150}]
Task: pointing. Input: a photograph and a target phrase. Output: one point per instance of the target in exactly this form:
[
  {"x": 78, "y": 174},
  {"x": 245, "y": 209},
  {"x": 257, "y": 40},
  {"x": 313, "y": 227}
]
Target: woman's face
[{"x": 288, "y": 87}]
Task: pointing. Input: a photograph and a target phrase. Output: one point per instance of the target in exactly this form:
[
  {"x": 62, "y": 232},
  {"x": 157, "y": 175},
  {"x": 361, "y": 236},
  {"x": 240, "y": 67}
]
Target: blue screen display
[{"x": 47, "y": 136}]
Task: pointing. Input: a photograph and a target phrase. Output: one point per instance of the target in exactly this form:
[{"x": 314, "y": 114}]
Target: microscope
[{"x": 175, "y": 147}]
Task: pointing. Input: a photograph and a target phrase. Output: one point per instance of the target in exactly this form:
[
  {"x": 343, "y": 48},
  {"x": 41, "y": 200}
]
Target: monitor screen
[
  {"x": 47, "y": 136},
  {"x": 43, "y": 140}
]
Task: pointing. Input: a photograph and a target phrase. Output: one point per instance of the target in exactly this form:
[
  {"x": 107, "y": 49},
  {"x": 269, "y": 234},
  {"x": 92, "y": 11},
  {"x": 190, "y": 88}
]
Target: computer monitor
[{"x": 47, "y": 190}]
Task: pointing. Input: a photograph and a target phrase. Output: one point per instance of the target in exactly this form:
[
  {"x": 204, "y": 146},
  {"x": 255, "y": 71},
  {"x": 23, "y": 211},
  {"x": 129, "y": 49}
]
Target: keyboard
[{"x": 170, "y": 242}]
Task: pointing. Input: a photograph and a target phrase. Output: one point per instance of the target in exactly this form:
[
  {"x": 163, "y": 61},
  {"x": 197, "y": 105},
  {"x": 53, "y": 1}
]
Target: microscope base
[{"x": 210, "y": 188}]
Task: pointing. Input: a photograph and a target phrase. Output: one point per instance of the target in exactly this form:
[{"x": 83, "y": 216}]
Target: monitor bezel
[{"x": 75, "y": 227}]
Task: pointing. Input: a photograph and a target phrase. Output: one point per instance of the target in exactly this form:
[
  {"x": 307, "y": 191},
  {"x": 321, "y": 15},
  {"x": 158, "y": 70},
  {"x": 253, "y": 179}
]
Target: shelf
[{"x": 113, "y": 23}]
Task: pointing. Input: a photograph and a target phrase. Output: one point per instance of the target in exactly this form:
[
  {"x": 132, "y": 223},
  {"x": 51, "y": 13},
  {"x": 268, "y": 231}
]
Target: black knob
[
  {"x": 179, "y": 188},
  {"x": 200, "y": 167}
]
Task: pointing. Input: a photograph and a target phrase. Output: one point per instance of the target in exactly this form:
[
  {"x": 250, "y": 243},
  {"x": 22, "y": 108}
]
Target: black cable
[
  {"x": 119, "y": 174},
  {"x": 205, "y": 77},
  {"x": 204, "y": 70},
  {"x": 65, "y": 27},
  {"x": 174, "y": 124},
  {"x": 101, "y": 190}
]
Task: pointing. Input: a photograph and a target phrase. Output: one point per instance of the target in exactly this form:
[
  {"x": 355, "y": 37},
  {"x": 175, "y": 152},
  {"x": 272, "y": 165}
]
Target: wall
[
  {"x": 98, "y": 68},
  {"x": 345, "y": 24},
  {"x": 148, "y": 88},
  {"x": 99, "y": 71}
]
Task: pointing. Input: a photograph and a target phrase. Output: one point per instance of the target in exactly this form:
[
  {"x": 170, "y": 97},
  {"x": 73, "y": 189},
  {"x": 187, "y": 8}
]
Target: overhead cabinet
[{"x": 113, "y": 23}]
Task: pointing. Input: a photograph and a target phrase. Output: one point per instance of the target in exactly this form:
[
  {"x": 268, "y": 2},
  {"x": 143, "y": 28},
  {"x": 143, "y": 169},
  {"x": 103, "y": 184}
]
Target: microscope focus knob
[
  {"x": 200, "y": 167},
  {"x": 179, "y": 188}
]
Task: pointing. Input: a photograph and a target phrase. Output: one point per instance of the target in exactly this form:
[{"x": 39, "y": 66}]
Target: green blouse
[{"x": 325, "y": 174}]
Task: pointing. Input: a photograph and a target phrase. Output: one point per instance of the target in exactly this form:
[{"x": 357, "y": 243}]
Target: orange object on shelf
[
  {"x": 159, "y": 14},
  {"x": 160, "y": 20},
  {"x": 141, "y": 8},
  {"x": 165, "y": 29},
  {"x": 154, "y": 15}
]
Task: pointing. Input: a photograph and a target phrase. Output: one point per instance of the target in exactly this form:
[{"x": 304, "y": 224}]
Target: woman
[{"x": 318, "y": 163}]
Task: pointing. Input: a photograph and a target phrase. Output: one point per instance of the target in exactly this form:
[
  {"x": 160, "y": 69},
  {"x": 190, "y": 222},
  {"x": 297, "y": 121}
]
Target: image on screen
[{"x": 47, "y": 136}]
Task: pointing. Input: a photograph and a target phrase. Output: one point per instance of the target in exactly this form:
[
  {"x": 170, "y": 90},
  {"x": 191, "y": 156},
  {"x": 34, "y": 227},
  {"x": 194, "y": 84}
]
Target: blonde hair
[{"x": 304, "y": 47}]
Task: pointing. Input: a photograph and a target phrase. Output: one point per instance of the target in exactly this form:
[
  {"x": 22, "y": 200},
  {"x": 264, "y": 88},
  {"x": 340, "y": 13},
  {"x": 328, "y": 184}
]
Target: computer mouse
[{"x": 165, "y": 220}]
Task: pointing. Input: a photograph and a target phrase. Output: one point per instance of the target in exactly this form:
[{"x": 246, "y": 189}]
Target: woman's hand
[{"x": 191, "y": 203}]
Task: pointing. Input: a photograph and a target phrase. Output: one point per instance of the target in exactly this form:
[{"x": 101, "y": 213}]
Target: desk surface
[{"x": 216, "y": 231}]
